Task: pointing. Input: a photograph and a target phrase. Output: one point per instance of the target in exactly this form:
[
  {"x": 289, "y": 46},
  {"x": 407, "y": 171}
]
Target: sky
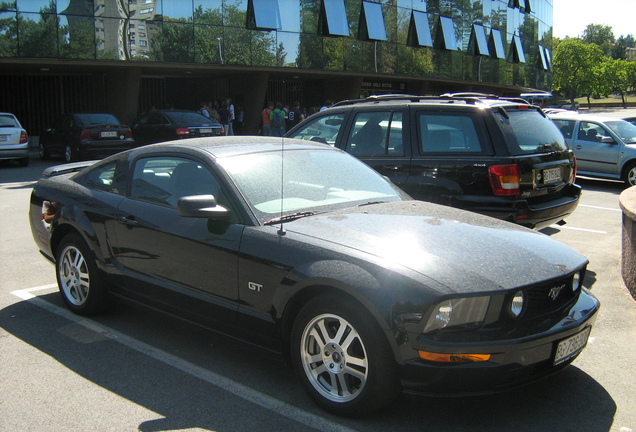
[{"x": 570, "y": 17}]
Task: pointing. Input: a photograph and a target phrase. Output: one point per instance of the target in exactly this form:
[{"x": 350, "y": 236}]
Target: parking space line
[
  {"x": 281, "y": 408},
  {"x": 577, "y": 229},
  {"x": 601, "y": 208}
]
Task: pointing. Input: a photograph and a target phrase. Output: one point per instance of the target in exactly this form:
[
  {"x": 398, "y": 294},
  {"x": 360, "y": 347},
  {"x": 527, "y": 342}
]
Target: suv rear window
[{"x": 528, "y": 131}]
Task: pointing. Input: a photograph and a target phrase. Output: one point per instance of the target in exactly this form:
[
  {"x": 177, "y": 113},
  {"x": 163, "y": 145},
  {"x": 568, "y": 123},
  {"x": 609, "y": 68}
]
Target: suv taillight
[
  {"x": 504, "y": 179},
  {"x": 183, "y": 131},
  {"x": 23, "y": 137},
  {"x": 85, "y": 134}
]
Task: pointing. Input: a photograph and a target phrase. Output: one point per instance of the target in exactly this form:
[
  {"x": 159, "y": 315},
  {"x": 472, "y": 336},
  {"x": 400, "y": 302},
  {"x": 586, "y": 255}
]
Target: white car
[
  {"x": 14, "y": 141},
  {"x": 605, "y": 147}
]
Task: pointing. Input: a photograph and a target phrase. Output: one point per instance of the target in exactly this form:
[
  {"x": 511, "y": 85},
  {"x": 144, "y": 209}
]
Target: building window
[
  {"x": 543, "y": 58},
  {"x": 445, "y": 37},
  {"x": 516, "y": 50},
  {"x": 419, "y": 30},
  {"x": 372, "y": 22},
  {"x": 527, "y": 6},
  {"x": 478, "y": 44},
  {"x": 495, "y": 44},
  {"x": 263, "y": 14},
  {"x": 333, "y": 18}
]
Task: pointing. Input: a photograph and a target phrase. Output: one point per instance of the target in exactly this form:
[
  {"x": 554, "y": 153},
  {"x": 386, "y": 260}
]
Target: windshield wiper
[
  {"x": 371, "y": 203},
  {"x": 289, "y": 217}
]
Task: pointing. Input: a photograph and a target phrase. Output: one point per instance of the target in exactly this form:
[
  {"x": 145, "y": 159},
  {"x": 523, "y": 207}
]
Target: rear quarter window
[
  {"x": 449, "y": 133},
  {"x": 528, "y": 131}
]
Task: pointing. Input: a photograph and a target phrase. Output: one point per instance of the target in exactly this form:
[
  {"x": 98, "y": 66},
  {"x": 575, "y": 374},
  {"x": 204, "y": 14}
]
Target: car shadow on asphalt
[{"x": 570, "y": 400}]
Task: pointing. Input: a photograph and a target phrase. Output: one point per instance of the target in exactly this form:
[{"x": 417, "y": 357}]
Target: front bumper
[{"x": 513, "y": 362}]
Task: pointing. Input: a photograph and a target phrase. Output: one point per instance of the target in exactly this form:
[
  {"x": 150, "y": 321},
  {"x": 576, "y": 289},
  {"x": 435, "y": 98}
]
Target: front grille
[{"x": 545, "y": 299}]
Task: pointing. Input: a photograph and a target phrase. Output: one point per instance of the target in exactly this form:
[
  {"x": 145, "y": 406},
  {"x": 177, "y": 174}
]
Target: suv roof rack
[{"x": 468, "y": 98}]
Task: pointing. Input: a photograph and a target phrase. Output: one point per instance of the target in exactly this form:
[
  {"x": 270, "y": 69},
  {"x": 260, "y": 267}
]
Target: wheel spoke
[
  {"x": 355, "y": 373},
  {"x": 351, "y": 338}
]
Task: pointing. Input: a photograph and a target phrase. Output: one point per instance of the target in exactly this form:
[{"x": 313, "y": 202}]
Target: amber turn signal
[{"x": 454, "y": 358}]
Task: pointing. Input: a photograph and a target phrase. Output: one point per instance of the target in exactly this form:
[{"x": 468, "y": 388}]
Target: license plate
[
  {"x": 571, "y": 346},
  {"x": 108, "y": 134},
  {"x": 4, "y": 137},
  {"x": 551, "y": 175},
  {"x": 205, "y": 131}
]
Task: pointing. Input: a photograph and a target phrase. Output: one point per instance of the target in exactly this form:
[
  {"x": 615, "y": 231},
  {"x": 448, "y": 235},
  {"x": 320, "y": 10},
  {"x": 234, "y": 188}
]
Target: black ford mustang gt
[{"x": 303, "y": 249}]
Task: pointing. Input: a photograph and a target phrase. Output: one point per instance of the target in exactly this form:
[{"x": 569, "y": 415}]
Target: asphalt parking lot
[{"x": 135, "y": 369}]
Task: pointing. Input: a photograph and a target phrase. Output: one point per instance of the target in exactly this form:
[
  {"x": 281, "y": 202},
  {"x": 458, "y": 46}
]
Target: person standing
[
  {"x": 278, "y": 120},
  {"x": 230, "y": 108},
  {"x": 327, "y": 104},
  {"x": 224, "y": 114},
  {"x": 267, "y": 119},
  {"x": 295, "y": 116}
]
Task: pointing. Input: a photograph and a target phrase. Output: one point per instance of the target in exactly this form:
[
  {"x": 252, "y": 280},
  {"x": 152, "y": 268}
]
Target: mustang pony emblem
[{"x": 555, "y": 291}]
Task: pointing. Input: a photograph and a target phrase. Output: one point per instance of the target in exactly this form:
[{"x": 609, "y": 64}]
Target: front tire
[
  {"x": 342, "y": 357},
  {"x": 44, "y": 153},
  {"x": 78, "y": 278},
  {"x": 630, "y": 175}
]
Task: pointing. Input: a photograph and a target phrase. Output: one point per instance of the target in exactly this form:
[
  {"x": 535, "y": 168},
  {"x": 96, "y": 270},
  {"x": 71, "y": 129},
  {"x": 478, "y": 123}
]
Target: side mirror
[
  {"x": 608, "y": 140},
  {"x": 202, "y": 206}
]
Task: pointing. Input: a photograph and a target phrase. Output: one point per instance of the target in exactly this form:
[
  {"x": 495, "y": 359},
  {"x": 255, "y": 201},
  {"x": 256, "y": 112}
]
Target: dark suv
[{"x": 501, "y": 157}]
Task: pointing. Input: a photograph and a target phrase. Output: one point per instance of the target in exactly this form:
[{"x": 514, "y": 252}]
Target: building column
[
  {"x": 249, "y": 91},
  {"x": 122, "y": 94}
]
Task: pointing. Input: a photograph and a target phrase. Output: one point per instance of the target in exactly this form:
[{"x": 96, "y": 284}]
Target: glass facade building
[{"x": 297, "y": 46}]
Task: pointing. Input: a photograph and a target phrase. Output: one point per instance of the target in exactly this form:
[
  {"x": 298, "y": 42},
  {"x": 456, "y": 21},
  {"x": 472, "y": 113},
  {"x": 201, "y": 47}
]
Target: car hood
[{"x": 464, "y": 251}]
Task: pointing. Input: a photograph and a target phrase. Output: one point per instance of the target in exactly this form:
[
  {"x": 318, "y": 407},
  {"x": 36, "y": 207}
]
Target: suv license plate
[
  {"x": 205, "y": 131},
  {"x": 571, "y": 346},
  {"x": 108, "y": 134},
  {"x": 551, "y": 175}
]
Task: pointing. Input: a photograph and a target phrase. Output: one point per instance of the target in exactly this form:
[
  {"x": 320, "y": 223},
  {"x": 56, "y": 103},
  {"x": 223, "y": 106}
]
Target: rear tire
[
  {"x": 78, "y": 278},
  {"x": 44, "y": 153},
  {"x": 70, "y": 154},
  {"x": 343, "y": 358}
]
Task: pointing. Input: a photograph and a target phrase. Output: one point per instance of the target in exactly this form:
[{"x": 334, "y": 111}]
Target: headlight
[
  {"x": 517, "y": 304},
  {"x": 468, "y": 312},
  {"x": 576, "y": 282}
]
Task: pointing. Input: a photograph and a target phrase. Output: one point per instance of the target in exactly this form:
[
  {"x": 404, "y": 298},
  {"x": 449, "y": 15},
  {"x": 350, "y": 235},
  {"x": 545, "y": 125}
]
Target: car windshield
[
  {"x": 530, "y": 132},
  {"x": 625, "y": 130},
  {"x": 312, "y": 181},
  {"x": 190, "y": 118},
  {"x": 97, "y": 119},
  {"x": 8, "y": 121}
]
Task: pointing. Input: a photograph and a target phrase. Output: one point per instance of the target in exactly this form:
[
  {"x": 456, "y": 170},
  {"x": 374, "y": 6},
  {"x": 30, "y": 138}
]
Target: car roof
[
  {"x": 223, "y": 146},
  {"x": 584, "y": 117},
  {"x": 447, "y": 100}
]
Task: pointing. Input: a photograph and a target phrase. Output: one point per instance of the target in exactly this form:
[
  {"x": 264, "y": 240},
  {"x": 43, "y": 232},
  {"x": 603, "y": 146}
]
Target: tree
[
  {"x": 601, "y": 35},
  {"x": 619, "y": 49},
  {"x": 618, "y": 76},
  {"x": 576, "y": 68}
]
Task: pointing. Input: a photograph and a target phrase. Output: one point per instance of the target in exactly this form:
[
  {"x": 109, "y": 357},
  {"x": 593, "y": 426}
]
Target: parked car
[
  {"x": 14, "y": 141},
  {"x": 604, "y": 146},
  {"x": 76, "y": 136},
  {"x": 303, "y": 249},
  {"x": 499, "y": 157},
  {"x": 166, "y": 125}
]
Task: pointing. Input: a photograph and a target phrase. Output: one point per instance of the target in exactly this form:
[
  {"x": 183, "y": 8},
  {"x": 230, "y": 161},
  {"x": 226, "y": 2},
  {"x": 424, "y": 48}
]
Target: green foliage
[{"x": 576, "y": 68}]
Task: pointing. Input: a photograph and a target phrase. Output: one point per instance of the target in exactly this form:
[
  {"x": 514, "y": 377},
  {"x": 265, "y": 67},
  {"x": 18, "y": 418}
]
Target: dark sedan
[
  {"x": 85, "y": 136},
  {"x": 166, "y": 125},
  {"x": 303, "y": 249}
]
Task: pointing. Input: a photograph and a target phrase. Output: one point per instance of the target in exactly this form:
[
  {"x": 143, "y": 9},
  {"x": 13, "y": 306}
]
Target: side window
[
  {"x": 566, "y": 127},
  {"x": 443, "y": 133},
  {"x": 324, "y": 129},
  {"x": 165, "y": 179},
  {"x": 104, "y": 178},
  {"x": 369, "y": 133},
  {"x": 396, "y": 139},
  {"x": 591, "y": 131}
]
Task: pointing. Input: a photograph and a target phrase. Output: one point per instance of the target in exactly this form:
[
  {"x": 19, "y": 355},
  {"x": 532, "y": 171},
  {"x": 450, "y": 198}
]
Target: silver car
[
  {"x": 14, "y": 141},
  {"x": 604, "y": 146}
]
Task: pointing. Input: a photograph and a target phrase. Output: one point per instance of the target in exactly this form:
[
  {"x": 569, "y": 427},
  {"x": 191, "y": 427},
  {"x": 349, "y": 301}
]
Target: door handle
[
  {"x": 578, "y": 146},
  {"x": 390, "y": 167},
  {"x": 127, "y": 221}
]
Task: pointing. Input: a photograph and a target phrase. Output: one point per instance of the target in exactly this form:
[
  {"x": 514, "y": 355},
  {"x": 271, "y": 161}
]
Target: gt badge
[{"x": 254, "y": 286}]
